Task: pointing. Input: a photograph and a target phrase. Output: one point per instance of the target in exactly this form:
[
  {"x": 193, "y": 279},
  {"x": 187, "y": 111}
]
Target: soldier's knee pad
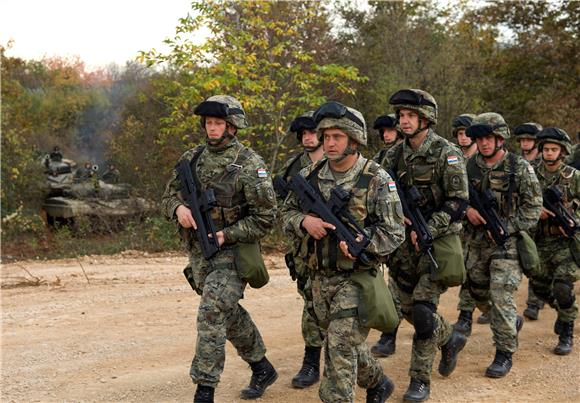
[
  {"x": 564, "y": 293},
  {"x": 423, "y": 319}
]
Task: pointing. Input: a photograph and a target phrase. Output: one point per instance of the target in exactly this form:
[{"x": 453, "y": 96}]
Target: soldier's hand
[
  {"x": 414, "y": 240},
  {"x": 474, "y": 217},
  {"x": 221, "y": 238},
  {"x": 407, "y": 221},
  {"x": 545, "y": 214},
  {"x": 185, "y": 218},
  {"x": 344, "y": 249},
  {"x": 315, "y": 227}
]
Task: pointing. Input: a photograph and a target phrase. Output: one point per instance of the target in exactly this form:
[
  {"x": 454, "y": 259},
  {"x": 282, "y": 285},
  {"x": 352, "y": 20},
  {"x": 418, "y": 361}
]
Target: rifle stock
[{"x": 552, "y": 200}]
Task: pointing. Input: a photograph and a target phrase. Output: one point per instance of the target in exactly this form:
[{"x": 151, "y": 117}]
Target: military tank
[{"x": 80, "y": 195}]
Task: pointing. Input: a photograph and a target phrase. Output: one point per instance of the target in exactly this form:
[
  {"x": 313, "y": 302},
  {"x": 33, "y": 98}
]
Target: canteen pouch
[
  {"x": 250, "y": 264},
  {"x": 449, "y": 257},
  {"x": 376, "y": 308},
  {"x": 528, "y": 254}
]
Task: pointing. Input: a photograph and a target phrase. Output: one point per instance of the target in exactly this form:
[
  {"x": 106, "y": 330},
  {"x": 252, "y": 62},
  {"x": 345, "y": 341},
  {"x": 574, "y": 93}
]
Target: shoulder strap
[
  {"x": 193, "y": 165},
  {"x": 313, "y": 175},
  {"x": 397, "y": 159},
  {"x": 292, "y": 166},
  {"x": 368, "y": 173},
  {"x": 512, "y": 180}
]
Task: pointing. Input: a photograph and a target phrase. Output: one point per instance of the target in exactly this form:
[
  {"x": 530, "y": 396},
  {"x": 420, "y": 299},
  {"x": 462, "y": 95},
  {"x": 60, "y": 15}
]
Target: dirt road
[{"x": 129, "y": 335}]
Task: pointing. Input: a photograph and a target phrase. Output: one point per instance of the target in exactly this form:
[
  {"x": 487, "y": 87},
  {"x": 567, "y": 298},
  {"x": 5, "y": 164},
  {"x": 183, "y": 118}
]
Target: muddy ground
[{"x": 122, "y": 328}]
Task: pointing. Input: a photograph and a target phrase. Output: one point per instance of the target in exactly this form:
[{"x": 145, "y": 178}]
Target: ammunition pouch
[
  {"x": 449, "y": 257},
  {"x": 528, "y": 255},
  {"x": 250, "y": 264}
]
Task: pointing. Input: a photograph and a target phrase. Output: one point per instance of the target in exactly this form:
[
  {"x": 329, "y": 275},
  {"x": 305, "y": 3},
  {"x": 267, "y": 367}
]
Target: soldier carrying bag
[
  {"x": 449, "y": 256},
  {"x": 250, "y": 264}
]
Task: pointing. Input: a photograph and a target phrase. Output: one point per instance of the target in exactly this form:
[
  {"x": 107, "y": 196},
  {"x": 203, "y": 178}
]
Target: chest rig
[
  {"x": 502, "y": 181},
  {"x": 329, "y": 257},
  {"x": 421, "y": 173},
  {"x": 231, "y": 203}
]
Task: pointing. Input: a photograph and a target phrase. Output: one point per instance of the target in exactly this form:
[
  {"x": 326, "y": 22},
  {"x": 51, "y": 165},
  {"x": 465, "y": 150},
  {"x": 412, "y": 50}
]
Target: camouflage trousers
[
  {"x": 558, "y": 264},
  {"x": 412, "y": 283},
  {"x": 312, "y": 334},
  {"x": 220, "y": 317},
  {"x": 494, "y": 275},
  {"x": 533, "y": 299},
  {"x": 347, "y": 358}
]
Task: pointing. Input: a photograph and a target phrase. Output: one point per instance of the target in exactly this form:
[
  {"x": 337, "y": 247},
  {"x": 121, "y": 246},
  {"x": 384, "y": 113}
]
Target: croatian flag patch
[
  {"x": 452, "y": 160},
  {"x": 262, "y": 173},
  {"x": 392, "y": 186}
]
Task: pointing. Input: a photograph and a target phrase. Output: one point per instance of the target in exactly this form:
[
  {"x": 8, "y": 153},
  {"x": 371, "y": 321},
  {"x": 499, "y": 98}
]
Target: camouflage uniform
[
  {"x": 111, "y": 176},
  {"x": 245, "y": 212},
  {"x": 336, "y": 297},
  {"x": 438, "y": 170},
  {"x": 494, "y": 273}
]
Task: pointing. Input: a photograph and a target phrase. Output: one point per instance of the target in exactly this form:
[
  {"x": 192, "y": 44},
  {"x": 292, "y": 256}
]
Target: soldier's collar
[{"x": 423, "y": 148}]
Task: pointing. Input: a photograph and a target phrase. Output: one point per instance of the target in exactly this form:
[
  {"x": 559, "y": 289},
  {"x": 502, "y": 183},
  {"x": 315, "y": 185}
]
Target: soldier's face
[
  {"x": 487, "y": 144},
  {"x": 389, "y": 134},
  {"x": 408, "y": 121},
  {"x": 527, "y": 144},
  {"x": 551, "y": 151},
  {"x": 335, "y": 143},
  {"x": 462, "y": 138},
  {"x": 309, "y": 138},
  {"x": 215, "y": 127}
]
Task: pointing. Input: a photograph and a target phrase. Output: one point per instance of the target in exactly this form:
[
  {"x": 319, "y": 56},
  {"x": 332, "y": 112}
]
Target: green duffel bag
[
  {"x": 250, "y": 264},
  {"x": 449, "y": 257},
  {"x": 528, "y": 255},
  {"x": 376, "y": 308}
]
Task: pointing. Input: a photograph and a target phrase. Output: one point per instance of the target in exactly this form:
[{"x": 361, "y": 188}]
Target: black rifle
[
  {"x": 201, "y": 207},
  {"x": 332, "y": 212},
  {"x": 410, "y": 203},
  {"x": 280, "y": 186},
  {"x": 486, "y": 204},
  {"x": 562, "y": 218}
]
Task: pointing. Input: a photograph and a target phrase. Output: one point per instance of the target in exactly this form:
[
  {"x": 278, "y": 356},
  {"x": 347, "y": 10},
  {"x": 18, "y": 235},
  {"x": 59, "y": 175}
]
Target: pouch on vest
[
  {"x": 528, "y": 254},
  {"x": 250, "y": 264},
  {"x": 376, "y": 308},
  {"x": 449, "y": 257}
]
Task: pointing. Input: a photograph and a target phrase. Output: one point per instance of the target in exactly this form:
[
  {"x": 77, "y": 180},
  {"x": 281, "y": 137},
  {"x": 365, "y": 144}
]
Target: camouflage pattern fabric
[
  {"x": 437, "y": 168},
  {"x": 220, "y": 317},
  {"x": 495, "y": 273},
  {"x": 347, "y": 357},
  {"x": 533, "y": 299}
]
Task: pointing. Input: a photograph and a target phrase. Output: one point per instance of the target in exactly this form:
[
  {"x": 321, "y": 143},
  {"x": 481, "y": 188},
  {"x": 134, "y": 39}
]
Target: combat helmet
[
  {"x": 488, "y": 123},
  {"x": 301, "y": 123},
  {"x": 527, "y": 131},
  {"x": 417, "y": 100},
  {"x": 556, "y": 136},
  {"x": 336, "y": 115},
  {"x": 225, "y": 107},
  {"x": 385, "y": 121},
  {"x": 461, "y": 122}
]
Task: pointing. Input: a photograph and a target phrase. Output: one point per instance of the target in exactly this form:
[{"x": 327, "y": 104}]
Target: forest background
[{"x": 279, "y": 59}]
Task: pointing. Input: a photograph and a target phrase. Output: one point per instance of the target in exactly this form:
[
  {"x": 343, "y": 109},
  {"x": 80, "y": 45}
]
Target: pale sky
[{"x": 100, "y": 32}]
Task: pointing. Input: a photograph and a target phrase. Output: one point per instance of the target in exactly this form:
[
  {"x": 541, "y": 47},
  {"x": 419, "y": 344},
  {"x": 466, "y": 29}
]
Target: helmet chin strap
[
  {"x": 495, "y": 150},
  {"x": 217, "y": 142},
  {"x": 310, "y": 149},
  {"x": 349, "y": 150},
  {"x": 419, "y": 130}
]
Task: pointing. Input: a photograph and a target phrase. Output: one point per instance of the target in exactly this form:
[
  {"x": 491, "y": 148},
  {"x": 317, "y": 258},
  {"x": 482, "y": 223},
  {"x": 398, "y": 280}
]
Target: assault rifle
[
  {"x": 553, "y": 202},
  {"x": 486, "y": 204},
  {"x": 200, "y": 207},
  {"x": 333, "y": 212},
  {"x": 410, "y": 203}
]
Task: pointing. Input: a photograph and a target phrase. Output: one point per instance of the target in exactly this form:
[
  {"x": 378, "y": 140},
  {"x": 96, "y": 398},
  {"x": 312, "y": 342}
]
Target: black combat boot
[
  {"x": 532, "y": 312},
  {"x": 483, "y": 319},
  {"x": 386, "y": 345},
  {"x": 450, "y": 351},
  {"x": 309, "y": 374},
  {"x": 203, "y": 394},
  {"x": 464, "y": 323},
  {"x": 501, "y": 365},
  {"x": 381, "y": 392},
  {"x": 566, "y": 340},
  {"x": 418, "y": 391},
  {"x": 263, "y": 375}
]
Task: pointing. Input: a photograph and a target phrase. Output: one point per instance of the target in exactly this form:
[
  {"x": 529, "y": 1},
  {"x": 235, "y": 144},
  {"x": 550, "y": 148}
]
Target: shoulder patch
[
  {"x": 452, "y": 160},
  {"x": 392, "y": 186},
  {"x": 262, "y": 173},
  {"x": 531, "y": 169}
]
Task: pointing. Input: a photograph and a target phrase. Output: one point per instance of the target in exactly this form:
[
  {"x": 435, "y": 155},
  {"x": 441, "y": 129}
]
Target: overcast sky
[{"x": 100, "y": 32}]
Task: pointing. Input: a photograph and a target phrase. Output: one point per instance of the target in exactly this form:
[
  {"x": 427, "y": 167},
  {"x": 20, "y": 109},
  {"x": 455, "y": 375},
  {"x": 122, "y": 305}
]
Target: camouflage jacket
[
  {"x": 526, "y": 199},
  {"x": 246, "y": 204},
  {"x": 380, "y": 157},
  {"x": 293, "y": 166},
  {"x": 566, "y": 179},
  {"x": 437, "y": 169},
  {"x": 377, "y": 208}
]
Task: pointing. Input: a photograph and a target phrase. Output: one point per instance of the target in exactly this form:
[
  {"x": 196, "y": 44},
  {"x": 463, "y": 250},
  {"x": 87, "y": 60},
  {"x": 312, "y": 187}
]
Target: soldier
[
  {"x": 56, "y": 155},
  {"x": 435, "y": 166},
  {"x": 304, "y": 128},
  {"x": 246, "y": 208},
  {"x": 494, "y": 272},
  {"x": 376, "y": 206},
  {"x": 386, "y": 127},
  {"x": 526, "y": 137},
  {"x": 111, "y": 175},
  {"x": 85, "y": 173},
  {"x": 559, "y": 265},
  {"x": 466, "y": 304}
]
